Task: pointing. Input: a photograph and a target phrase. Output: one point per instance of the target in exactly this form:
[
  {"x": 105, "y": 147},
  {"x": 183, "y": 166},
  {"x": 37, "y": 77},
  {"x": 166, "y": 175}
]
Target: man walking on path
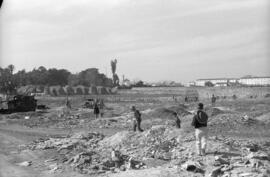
[
  {"x": 201, "y": 132},
  {"x": 101, "y": 107},
  {"x": 68, "y": 104},
  {"x": 137, "y": 119},
  {"x": 213, "y": 100},
  {"x": 177, "y": 120},
  {"x": 96, "y": 109}
]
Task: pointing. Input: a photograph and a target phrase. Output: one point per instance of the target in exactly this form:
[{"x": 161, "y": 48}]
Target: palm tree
[{"x": 115, "y": 77}]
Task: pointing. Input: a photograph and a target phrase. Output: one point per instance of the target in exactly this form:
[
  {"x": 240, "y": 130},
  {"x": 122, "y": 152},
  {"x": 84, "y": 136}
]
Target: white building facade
[
  {"x": 255, "y": 81},
  {"x": 216, "y": 81},
  {"x": 248, "y": 81}
]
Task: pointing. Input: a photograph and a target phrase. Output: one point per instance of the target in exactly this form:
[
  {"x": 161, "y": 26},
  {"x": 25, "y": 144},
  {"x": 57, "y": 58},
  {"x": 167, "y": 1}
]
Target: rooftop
[
  {"x": 254, "y": 77},
  {"x": 217, "y": 79}
]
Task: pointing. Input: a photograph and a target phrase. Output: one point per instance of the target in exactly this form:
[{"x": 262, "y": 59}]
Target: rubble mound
[
  {"x": 232, "y": 120},
  {"x": 92, "y": 153},
  {"x": 167, "y": 112},
  {"x": 265, "y": 118},
  {"x": 79, "y": 139},
  {"x": 214, "y": 111},
  {"x": 116, "y": 140},
  {"x": 157, "y": 142},
  {"x": 84, "y": 153},
  {"x": 114, "y": 122}
]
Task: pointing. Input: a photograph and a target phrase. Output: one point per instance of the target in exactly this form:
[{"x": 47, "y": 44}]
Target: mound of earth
[
  {"x": 213, "y": 111},
  {"x": 83, "y": 152},
  {"x": 123, "y": 121},
  {"x": 265, "y": 118},
  {"x": 117, "y": 139},
  {"x": 91, "y": 153},
  {"x": 238, "y": 125},
  {"x": 167, "y": 112},
  {"x": 157, "y": 142}
]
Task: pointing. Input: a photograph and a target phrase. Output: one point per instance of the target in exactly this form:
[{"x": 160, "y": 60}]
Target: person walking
[
  {"x": 96, "y": 110},
  {"x": 201, "y": 132},
  {"x": 177, "y": 120},
  {"x": 213, "y": 100},
  {"x": 68, "y": 104},
  {"x": 137, "y": 119},
  {"x": 101, "y": 107}
]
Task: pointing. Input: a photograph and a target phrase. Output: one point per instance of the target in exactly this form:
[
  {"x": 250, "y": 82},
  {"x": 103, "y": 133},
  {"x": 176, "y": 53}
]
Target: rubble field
[{"x": 72, "y": 142}]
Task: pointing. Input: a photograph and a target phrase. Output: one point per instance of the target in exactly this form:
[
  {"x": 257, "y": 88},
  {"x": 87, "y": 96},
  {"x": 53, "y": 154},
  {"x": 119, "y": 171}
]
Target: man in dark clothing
[
  {"x": 177, "y": 120},
  {"x": 101, "y": 107},
  {"x": 213, "y": 100},
  {"x": 68, "y": 104},
  {"x": 137, "y": 119},
  {"x": 201, "y": 132},
  {"x": 96, "y": 110}
]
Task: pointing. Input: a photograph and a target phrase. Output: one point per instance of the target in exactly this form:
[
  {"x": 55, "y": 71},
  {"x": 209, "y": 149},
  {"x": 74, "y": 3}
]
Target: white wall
[{"x": 255, "y": 81}]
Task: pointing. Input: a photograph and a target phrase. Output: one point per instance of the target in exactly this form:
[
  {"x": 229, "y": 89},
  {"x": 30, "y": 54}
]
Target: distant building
[
  {"x": 126, "y": 82},
  {"x": 255, "y": 81},
  {"x": 216, "y": 81},
  {"x": 247, "y": 80},
  {"x": 190, "y": 84},
  {"x": 221, "y": 84}
]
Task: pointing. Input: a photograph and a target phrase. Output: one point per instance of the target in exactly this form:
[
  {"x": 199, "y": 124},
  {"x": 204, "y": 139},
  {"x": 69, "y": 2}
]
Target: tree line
[{"x": 10, "y": 81}]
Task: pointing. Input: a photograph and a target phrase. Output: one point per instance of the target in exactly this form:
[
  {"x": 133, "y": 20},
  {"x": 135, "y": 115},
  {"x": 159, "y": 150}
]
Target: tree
[
  {"x": 113, "y": 65},
  {"x": 20, "y": 78},
  {"x": 58, "y": 77},
  {"x": 38, "y": 76},
  {"x": 88, "y": 77},
  {"x": 139, "y": 84},
  {"x": 209, "y": 84},
  {"x": 7, "y": 81},
  {"x": 11, "y": 68},
  {"x": 73, "y": 80},
  {"x": 115, "y": 76}
]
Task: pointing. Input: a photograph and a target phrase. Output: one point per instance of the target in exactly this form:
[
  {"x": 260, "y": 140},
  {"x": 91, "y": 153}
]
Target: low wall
[
  {"x": 204, "y": 92},
  {"x": 240, "y": 92}
]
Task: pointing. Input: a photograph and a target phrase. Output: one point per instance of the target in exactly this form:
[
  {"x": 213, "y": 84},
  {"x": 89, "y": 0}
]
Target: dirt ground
[{"x": 233, "y": 126}]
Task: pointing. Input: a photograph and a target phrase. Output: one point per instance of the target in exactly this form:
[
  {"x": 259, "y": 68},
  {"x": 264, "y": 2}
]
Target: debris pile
[
  {"x": 232, "y": 120},
  {"x": 252, "y": 164},
  {"x": 123, "y": 121},
  {"x": 79, "y": 139},
  {"x": 157, "y": 142},
  {"x": 83, "y": 152},
  {"x": 264, "y": 118},
  {"x": 92, "y": 153},
  {"x": 163, "y": 112}
]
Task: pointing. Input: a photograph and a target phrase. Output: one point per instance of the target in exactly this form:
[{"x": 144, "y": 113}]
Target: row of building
[{"x": 245, "y": 81}]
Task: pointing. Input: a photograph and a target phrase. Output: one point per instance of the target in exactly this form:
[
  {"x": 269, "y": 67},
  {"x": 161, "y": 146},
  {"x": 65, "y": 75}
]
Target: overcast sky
[{"x": 153, "y": 40}]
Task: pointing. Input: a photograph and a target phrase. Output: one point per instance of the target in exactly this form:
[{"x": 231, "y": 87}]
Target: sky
[{"x": 153, "y": 40}]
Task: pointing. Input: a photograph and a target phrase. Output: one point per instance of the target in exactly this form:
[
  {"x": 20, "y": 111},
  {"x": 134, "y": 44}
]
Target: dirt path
[
  {"x": 11, "y": 137},
  {"x": 9, "y": 157}
]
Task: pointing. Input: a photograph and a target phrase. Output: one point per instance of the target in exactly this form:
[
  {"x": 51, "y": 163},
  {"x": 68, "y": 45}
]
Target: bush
[
  {"x": 209, "y": 84},
  {"x": 267, "y": 95}
]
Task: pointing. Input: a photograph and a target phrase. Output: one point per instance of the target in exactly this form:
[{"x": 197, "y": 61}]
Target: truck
[{"x": 20, "y": 103}]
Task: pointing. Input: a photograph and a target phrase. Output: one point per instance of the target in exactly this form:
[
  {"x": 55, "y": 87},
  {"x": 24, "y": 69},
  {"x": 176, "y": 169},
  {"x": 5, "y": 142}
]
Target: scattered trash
[
  {"x": 216, "y": 172},
  {"x": 25, "y": 163},
  {"x": 193, "y": 167}
]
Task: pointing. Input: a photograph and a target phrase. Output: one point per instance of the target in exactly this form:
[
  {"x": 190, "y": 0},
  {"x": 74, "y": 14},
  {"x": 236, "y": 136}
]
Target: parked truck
[{"x": 20, "y": 103}]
